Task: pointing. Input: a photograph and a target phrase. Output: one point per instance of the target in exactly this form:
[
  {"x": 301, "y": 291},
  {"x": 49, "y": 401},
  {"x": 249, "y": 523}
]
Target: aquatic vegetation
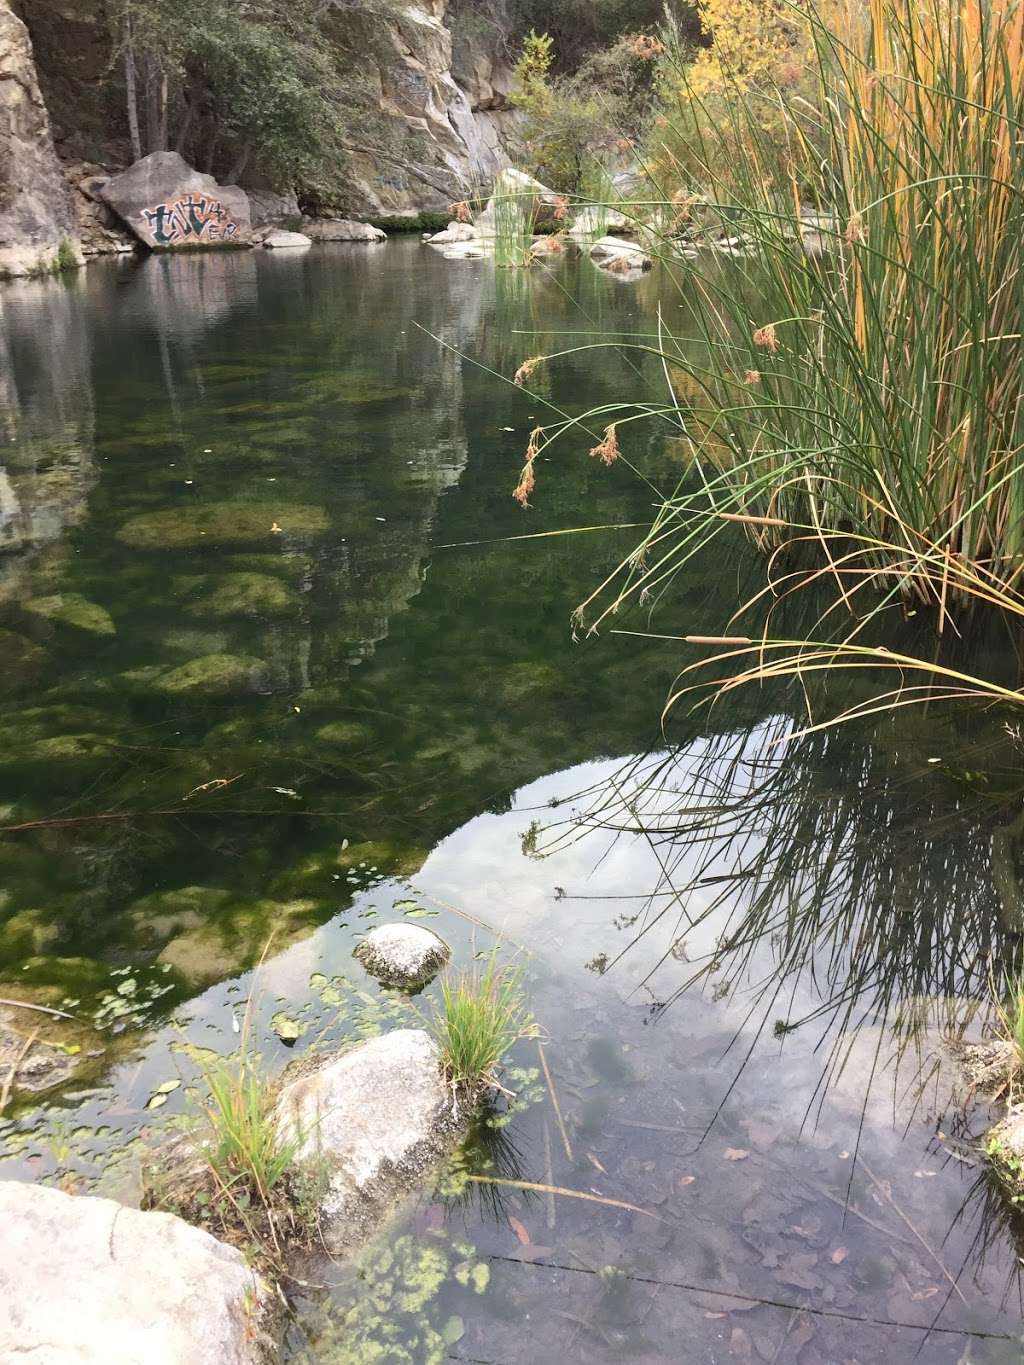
[
  {"x": 207, "y": 525},
  {"x": 481, "y": 1016},
  {"x": 23, "y": 662}
]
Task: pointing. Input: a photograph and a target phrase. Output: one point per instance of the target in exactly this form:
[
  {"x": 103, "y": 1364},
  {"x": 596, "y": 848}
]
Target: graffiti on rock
[{"x": 190, "y": 218}]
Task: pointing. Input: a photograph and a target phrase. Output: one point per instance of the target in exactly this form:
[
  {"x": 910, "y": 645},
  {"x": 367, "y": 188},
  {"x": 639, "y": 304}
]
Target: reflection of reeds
[{"x": 834, "y": 892}]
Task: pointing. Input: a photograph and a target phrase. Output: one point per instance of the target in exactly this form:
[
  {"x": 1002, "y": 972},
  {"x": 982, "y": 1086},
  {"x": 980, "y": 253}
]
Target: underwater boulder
[
  {"x": 215, "y": 675},
  {"x": 241, "y": 594},
  {"x": 345, "y": 734},
  {"x": 207, "y": 525},
  {"x": 72, "y": 609},
  {"x": 21, "y": 662}
]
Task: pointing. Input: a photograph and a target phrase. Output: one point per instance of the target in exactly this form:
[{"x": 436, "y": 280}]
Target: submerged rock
[
  {"x": 379, "y": 1116},
  {"x": 345, "y": 734},
  {"x": 22, "y": 662},
  {"x": 221, "y": 523},
  {"x": 236, "y": 938},
  {"x": 239, "y": 594},
  {"x": 72, "y": 609},
  {"x": 215, "y": 675},
  {"x": 402, "y": 954},
  {"x": 88, "y": 1281},
  {"x": 172, "y": 207}
]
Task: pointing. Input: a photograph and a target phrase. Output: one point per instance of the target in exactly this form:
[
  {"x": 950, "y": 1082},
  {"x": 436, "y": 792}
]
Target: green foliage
[
  {"x": 481, "y": 1017},
  {"x": 572, "y": 121},
  {"x": 412, "y": 222},
  {"x": 266, "y": 85},
  {"x": 67, "y": 256}
]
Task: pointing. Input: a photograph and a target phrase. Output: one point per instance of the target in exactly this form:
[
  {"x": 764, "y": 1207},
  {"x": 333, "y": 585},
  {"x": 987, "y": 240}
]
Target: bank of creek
[{"x": 212, "y": 735}]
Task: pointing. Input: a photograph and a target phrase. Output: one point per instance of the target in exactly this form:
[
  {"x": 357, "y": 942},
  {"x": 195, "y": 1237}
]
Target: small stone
[
  {"x": 91, "y": 1281},
  {"x": 402, "y": 954}
]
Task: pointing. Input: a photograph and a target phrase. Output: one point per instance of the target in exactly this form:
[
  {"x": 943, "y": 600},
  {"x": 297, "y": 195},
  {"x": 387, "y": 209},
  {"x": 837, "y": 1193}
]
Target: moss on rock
[{"x": 207, "y": 525}]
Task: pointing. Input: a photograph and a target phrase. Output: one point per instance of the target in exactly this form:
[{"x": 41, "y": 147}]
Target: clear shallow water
[{"x": 181, "y": 770}]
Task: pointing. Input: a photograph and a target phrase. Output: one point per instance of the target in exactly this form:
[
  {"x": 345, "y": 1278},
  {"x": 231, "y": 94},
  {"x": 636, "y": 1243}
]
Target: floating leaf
[
  {"x": 839, "y": 1255},
  {"x": 519, "y": 1230},
  {"x": 454, "y": 1330},
  {"x": 288, "y": 1030},
  {"x": 156, "y": 1101},
  {"x": 166, "y": 1087},
  {"x": 735, "y": 1154}
]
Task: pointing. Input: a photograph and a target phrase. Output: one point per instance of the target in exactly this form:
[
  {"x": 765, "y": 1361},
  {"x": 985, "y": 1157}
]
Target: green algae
[{"x": 207, "y": 525}]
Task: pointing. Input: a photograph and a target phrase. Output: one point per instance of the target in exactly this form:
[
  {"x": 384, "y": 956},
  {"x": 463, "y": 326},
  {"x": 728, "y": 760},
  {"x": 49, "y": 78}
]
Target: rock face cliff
[
  {"x": 443, "y": 124},
  {"x": 35, "y": 208},
  {"x": 447, "y": 103}
]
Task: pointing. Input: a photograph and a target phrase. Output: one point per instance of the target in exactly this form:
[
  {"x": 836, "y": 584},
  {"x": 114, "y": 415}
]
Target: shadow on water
[{"x": 746, "y": 958}]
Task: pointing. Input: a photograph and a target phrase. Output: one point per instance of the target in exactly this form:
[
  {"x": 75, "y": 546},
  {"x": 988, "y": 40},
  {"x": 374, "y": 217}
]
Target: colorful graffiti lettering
[{"x": 190, "y": 217}]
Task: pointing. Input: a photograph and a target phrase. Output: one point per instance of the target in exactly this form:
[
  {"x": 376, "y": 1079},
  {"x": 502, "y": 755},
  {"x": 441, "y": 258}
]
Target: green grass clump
[
  {"x": 412, "y": 222},
  {"x": 247, "y": 1151},
  {"x": 480, "y": 1018}
]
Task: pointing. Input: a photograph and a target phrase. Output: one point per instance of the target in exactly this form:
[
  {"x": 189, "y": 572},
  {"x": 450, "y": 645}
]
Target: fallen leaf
[
  {"x": 928, "y": 1293},
  {"x": 594, "y": 1162},
  {"x": 156, "y": 1101},
  {"x": 839, "y": 1255},
  {"x": 519, "y": 1230},
  {"x": 924, "y": 1175},
  {"x": 685, "y": 1180},
  {"x": 714, "y": 1315},
  {"x": 739, "y": 1343},
  {"x": 735, "y": 1154}
]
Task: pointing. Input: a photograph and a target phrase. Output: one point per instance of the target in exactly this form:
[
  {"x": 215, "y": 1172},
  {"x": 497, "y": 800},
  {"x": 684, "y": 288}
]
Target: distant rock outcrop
[{"x": 36, "y": 219}]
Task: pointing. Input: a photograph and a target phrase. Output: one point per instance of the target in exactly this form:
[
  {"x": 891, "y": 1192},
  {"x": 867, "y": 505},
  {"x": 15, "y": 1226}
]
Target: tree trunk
[
  {"x": 241, "y": 161},
  {"x": 130, "y": 91}
]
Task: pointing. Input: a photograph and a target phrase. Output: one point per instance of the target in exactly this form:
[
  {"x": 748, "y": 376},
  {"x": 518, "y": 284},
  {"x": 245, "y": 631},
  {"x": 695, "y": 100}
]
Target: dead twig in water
[
  {"x": 12, "y": 1074},
  {"x": 558, "y": 1189},
  {"x": 41, "y": 1009},
  {"x": 886, "y": 1193},
  {"x": 554, "y": 1101}
]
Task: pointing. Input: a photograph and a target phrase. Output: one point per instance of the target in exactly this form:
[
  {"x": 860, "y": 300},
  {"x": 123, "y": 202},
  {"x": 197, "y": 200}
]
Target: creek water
[{"x": 278, "y": 664}]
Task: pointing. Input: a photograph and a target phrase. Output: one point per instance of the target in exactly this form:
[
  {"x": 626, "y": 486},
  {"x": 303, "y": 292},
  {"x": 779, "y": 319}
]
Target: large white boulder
[
  {"x": 87, "y": 1281},
  {"x": 402, "y": 954},
  {"x": 342, "y": 230},
  {"x": 170, "y": 206},
  {"x": 615, "y": 246},
  {"x": 454, "y": 232},
  {"x": 378, "y": 1118},
  {"x": 597, "y": 218},
  {"x": 279, "y": 240},
  {"x": 536, "y": 205}
]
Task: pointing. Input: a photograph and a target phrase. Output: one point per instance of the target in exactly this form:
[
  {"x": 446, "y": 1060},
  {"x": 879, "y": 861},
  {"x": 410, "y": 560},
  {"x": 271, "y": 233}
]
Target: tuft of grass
[
  {"x": 481, "y": 1016},
  {"x": 247, "y": 1151}
]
